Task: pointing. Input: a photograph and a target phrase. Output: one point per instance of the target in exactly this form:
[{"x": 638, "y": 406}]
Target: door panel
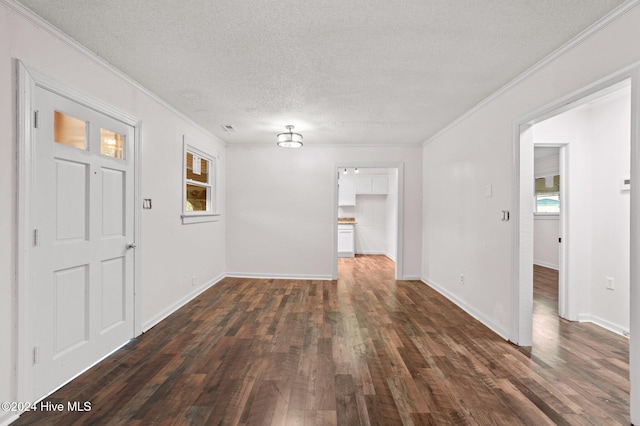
[
  {"x": 72, "y": 202},
  {"x": 113, "y": 191},
  {"x": 113, "y": 293},
  {"x": 70, "y": 294},
  {"x": 83, "y": 308}
]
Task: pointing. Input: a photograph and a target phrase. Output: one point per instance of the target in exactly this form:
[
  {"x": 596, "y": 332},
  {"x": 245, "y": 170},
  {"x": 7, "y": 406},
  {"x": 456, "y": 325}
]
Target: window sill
[
  {"x": 546, "y": 216},
  {"x": 200, "y": 218}
]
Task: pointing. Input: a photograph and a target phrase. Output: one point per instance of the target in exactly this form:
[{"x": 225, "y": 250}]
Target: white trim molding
[
  {"x": 269, "y": 276},
  {"x": 607, "y": 325},
  {"x": 546, "y": 265},
  {"x": 608, "y": 19},
  {"x": 32, "y": 17},
  {"x": 180, "y": 303},
  {"x": 496, "y": 328}
]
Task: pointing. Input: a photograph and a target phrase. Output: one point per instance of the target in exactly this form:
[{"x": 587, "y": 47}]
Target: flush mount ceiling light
[{"x": 290, "y": 139}]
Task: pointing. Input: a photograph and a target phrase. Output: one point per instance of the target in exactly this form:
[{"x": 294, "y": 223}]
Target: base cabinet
[{"x": 346, "y": 241}]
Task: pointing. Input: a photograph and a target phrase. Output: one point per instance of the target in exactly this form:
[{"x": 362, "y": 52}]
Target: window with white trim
[
  {"x": 547, "y": 197},
  {"x": 199, "y": 200}
]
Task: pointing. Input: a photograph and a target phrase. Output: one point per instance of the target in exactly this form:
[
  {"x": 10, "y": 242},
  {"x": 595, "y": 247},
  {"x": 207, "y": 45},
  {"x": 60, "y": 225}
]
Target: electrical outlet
[
  {"x": 462, "y": 279},
  {"x": 611, "y": 283}
]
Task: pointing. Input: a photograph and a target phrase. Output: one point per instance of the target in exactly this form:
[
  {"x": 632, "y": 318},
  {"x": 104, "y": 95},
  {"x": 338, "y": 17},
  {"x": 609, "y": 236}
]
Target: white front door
[{"x": 82, "y": 294}]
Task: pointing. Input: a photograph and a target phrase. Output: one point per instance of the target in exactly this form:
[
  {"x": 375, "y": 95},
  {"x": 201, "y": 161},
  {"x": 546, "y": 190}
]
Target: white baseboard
[
  {"x": 13, "y": 416},
  {"x": 7, "y": 417},
  {"x": 305, "y": 277},
  {"x": 379, "y": 252},
  {"x": 372, "y": 252},
  {"x": 546, "y": 265},
  {"x": 411, "y": 278},
  {"x": 607, "y": 325},
  {"x": 496, "y": 328},
  {"x": 180, "y": 303}
]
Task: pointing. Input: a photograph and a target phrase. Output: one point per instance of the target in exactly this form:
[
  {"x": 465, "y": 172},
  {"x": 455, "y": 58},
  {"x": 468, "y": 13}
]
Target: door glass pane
[
  {"x": 69, "y": 131},
  {"x": 197, "y": 168},
  {"x": 196, "y": 198},
  {"x": 111, "y": 143}
]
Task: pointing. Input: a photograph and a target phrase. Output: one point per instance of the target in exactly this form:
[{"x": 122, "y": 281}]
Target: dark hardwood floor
[{"x": 361, "y": 350}]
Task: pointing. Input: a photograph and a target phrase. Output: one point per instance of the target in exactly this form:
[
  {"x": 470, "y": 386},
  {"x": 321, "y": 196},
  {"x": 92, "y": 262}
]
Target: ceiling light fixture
[
  {"x": 290, "y": 139},
  {"x": 356, "y": 170}
]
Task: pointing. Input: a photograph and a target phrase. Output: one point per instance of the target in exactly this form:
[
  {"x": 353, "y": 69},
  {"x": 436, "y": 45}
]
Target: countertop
[{"x": 347, "y": 221}]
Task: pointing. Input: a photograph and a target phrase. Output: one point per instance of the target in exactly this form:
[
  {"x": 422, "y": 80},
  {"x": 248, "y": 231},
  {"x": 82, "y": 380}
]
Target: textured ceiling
[{"x": 343, "y": 72}]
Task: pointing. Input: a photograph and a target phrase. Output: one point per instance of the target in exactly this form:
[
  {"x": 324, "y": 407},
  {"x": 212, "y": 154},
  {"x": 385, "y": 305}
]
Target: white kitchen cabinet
[
  {"x": 363, "y": 184},
  {"x": 379, "y": 184},
  {"x": 346, "y": 190},
  {"x": 372, "y": 184},
  {"x": 346, "y": 241}
]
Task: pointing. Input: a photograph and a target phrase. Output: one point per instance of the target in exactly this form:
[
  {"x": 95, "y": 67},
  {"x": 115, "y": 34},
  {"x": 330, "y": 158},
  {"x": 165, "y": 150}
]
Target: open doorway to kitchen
[{"x": 368, "y": 212}]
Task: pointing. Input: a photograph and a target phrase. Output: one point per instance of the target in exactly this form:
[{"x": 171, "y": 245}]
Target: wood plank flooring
[{"x": 361, "y": 350}]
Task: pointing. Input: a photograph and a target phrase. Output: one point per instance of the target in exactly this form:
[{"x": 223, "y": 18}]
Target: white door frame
[
  {"x": 399, "y": 165},
  {"x": 563, "y": 226},
  {"x": 522, "y": 238},
  {"x": 27, "y": 81},
  {"x": 522, "y": 242}
]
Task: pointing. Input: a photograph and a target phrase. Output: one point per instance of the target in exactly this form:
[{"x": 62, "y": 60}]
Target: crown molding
[
  {"x": 593, "y": 29},
  {"x": 41, "y": 23}
]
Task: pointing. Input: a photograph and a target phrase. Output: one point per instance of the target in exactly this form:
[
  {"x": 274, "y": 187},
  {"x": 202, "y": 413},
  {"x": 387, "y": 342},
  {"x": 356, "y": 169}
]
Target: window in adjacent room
[
  {"x": 547, "y": 197},
  {"x": 200, "y": 184}
]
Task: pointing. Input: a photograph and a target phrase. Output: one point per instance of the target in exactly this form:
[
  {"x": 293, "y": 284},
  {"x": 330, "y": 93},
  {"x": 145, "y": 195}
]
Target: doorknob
[{"x": 131, "y": 246}]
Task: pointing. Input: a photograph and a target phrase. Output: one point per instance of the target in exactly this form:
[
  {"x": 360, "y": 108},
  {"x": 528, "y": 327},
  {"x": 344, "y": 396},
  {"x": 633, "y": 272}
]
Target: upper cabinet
[
  {"x": 371, "y": 184},
  {"x": 346, "y": 190}
]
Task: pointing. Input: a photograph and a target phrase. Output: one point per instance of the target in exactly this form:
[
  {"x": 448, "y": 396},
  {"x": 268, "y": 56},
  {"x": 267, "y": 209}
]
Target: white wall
[
  {"x": 598, "y": 160},
  {"x": 280, "y": 202},
  {"x": 170, "y": 252},
  {"x": 546, "y": 231},
  {"x": 462, "y": 230},
  {"x": 611, "y": 208}
]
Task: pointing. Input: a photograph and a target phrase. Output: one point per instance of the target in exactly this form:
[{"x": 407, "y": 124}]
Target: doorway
[
  {"x": 393, "y": 205},
  {"x": 77, "y": 263},
  {"x": 581, "y": 298},
  {"x": 548, "y": 215}
]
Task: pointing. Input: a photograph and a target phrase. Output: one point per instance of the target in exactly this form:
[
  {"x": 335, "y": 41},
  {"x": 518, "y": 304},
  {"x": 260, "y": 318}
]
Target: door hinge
[
  {"x": 35, "y": 118},
  {"x": 36, "y": 238},
  {"x": 36, "y": 355}
]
